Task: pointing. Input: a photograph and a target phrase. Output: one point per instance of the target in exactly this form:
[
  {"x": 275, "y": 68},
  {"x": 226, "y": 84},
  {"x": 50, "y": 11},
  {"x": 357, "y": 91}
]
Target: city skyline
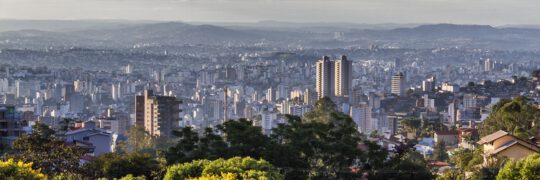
[{"x": 324, "y": 90}]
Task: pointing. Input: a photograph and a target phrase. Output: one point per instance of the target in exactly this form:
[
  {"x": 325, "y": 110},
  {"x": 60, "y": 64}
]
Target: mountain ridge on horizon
[
  {"x": 75, "y": 25},
  {"x": 176, "y": 33}
]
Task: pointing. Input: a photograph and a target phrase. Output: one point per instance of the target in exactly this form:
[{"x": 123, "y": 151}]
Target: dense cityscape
[{"x": 94, "y": 99}]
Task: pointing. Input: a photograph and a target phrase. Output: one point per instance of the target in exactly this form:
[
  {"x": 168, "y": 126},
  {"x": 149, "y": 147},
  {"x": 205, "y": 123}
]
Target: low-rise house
[
  {"x": 467, "y": 138},
  {"x": 450, "y": 138},
  {"x": 425, "y": 146},
  {"x": 503, "y": 144},
  {"x": 98, "y": 140}
]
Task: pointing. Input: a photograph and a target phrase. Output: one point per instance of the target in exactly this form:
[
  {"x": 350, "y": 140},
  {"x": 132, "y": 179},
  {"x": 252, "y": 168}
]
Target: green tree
[
  {"x": 411, "y": 125},
  {"x": 69, "y": 176},
  {"x": 239, "y": 138},
  {"x": 374, "y": 134},
  {"x": 405, "y": 164},
  {"x": 191, "y": 147},
  {"x": 11, "y": 169},
  {"x": 138, "y": 140},
  {"x": 449, "y": 175},
  {"x": 46, "y": 152},
  {"x": 325, "y": 144},
  {"x": 237, "y": 168},
  {"x": 468, "y": 161},
  {"x": 131, "y": 177},
  {"x": 374, "y": 157},
  {"x": 527, "y": 168},
  {"x": 516, "y": 117},
  {"x": 115, "y": 165},
  {"x": 439, "y": 151},
  {"x": 322, "y": 111},
  {"x": 244, "y": 139},
  {"x": 461, "y": 158}
]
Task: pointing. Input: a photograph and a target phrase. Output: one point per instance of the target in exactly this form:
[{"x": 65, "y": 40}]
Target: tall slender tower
[
  {"x": 343, "y": 77},
  {"x": 324, "y": 77},
  {"x": 159, "y": 115},
  {"x": 398, "y": 84},
  {"x": 225, "y": 103}
]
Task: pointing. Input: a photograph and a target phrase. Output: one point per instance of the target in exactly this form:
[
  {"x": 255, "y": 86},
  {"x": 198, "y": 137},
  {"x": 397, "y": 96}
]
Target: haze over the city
[
  {"x": 270, "y": 89},
  {"x": 490, "y": 12}
]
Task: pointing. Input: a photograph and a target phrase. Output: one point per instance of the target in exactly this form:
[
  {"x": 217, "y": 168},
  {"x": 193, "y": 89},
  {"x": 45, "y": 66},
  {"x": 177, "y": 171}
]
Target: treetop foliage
[
  {"x": 233, "y": 168},
  {"x": 12, "y": 169},
  {"x": 114, "y": 165},
  {"x": 527, "y": 168},
  {"x": 46, "y": 152},
  {"x": 514, "y": 116}
]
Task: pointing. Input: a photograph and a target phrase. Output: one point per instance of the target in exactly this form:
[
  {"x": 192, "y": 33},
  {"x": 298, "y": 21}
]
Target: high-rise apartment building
[
  {"x": 469, "y": 101},
  {"x": 488, "y": 65},
  {"x": 310, "y": 96},
  {"x": 343, "y": 77},
  {"x": 356, "y": 96},
  {"x": 159, "y": 115},
  {"x": 324, "y": 84},
  {"x": 11, "y": 125},
  {"x": 270, "y": 94},
  {"x": 429, "y": 84},
  {"x": 26, "y": 88},
  {"x": 361, "y": 115},
  {"x": 398, "y": 84},
  {"x": 333, "y": 78}
]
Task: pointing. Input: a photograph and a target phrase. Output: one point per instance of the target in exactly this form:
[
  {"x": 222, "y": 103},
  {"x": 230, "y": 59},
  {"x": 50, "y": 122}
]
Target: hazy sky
[{"x": 494, "y": 12}]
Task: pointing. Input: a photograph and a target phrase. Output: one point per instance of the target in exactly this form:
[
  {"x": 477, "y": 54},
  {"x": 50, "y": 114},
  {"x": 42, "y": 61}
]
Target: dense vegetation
[
  {"x": 517, "y": 116},
  {"x": 528, "y": 168},
  {"x": 234, "y": 168},
  {"x": 11, "y": 169},
  {"x": 323, "y": 145}
]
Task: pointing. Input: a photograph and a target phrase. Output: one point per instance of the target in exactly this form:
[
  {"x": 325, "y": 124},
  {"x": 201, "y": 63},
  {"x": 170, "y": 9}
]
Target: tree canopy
[
  {"x": 527, "y": 168},
  {"x": 514, "y": 116},
  {"x": 11, "y": 169},
  {"x": 233, "y": 168},
  {"x": 404, "y": 164},
  {"x": 322, "y": 145},
  {"x": 46, "y": 152},
  {"x": 439, "y": 151},
  {"x": 114, "y": 165}
]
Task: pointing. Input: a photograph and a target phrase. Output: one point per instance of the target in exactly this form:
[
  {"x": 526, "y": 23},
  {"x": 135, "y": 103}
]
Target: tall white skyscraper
[
  {"x": 324, "y": 77},
  {"x": 333, "y": 78},
  {"x": 488, "y": 65},
  {"x": 270, "y": 94},
  {"x": 398, "y": 84},
  {"x": 26, "y": 88},
  {"x": 343, "y": 77},
  {"x": 361, "y": 115},
  {"x": 452, "y": 113},
  {"x": 4, "y": 85},
  {"x": 114, "y": 92}
]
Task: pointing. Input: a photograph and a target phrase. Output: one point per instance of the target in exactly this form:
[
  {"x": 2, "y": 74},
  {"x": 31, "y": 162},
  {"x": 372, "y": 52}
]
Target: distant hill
[
  {"x": 171, "y": 33},
  {"x": 65, "y": 25},
  {"x": 177, "y": 33}
]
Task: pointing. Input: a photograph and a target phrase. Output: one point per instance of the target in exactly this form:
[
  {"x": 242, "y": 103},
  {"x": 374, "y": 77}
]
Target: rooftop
[{"x": 492, "y": 137}]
